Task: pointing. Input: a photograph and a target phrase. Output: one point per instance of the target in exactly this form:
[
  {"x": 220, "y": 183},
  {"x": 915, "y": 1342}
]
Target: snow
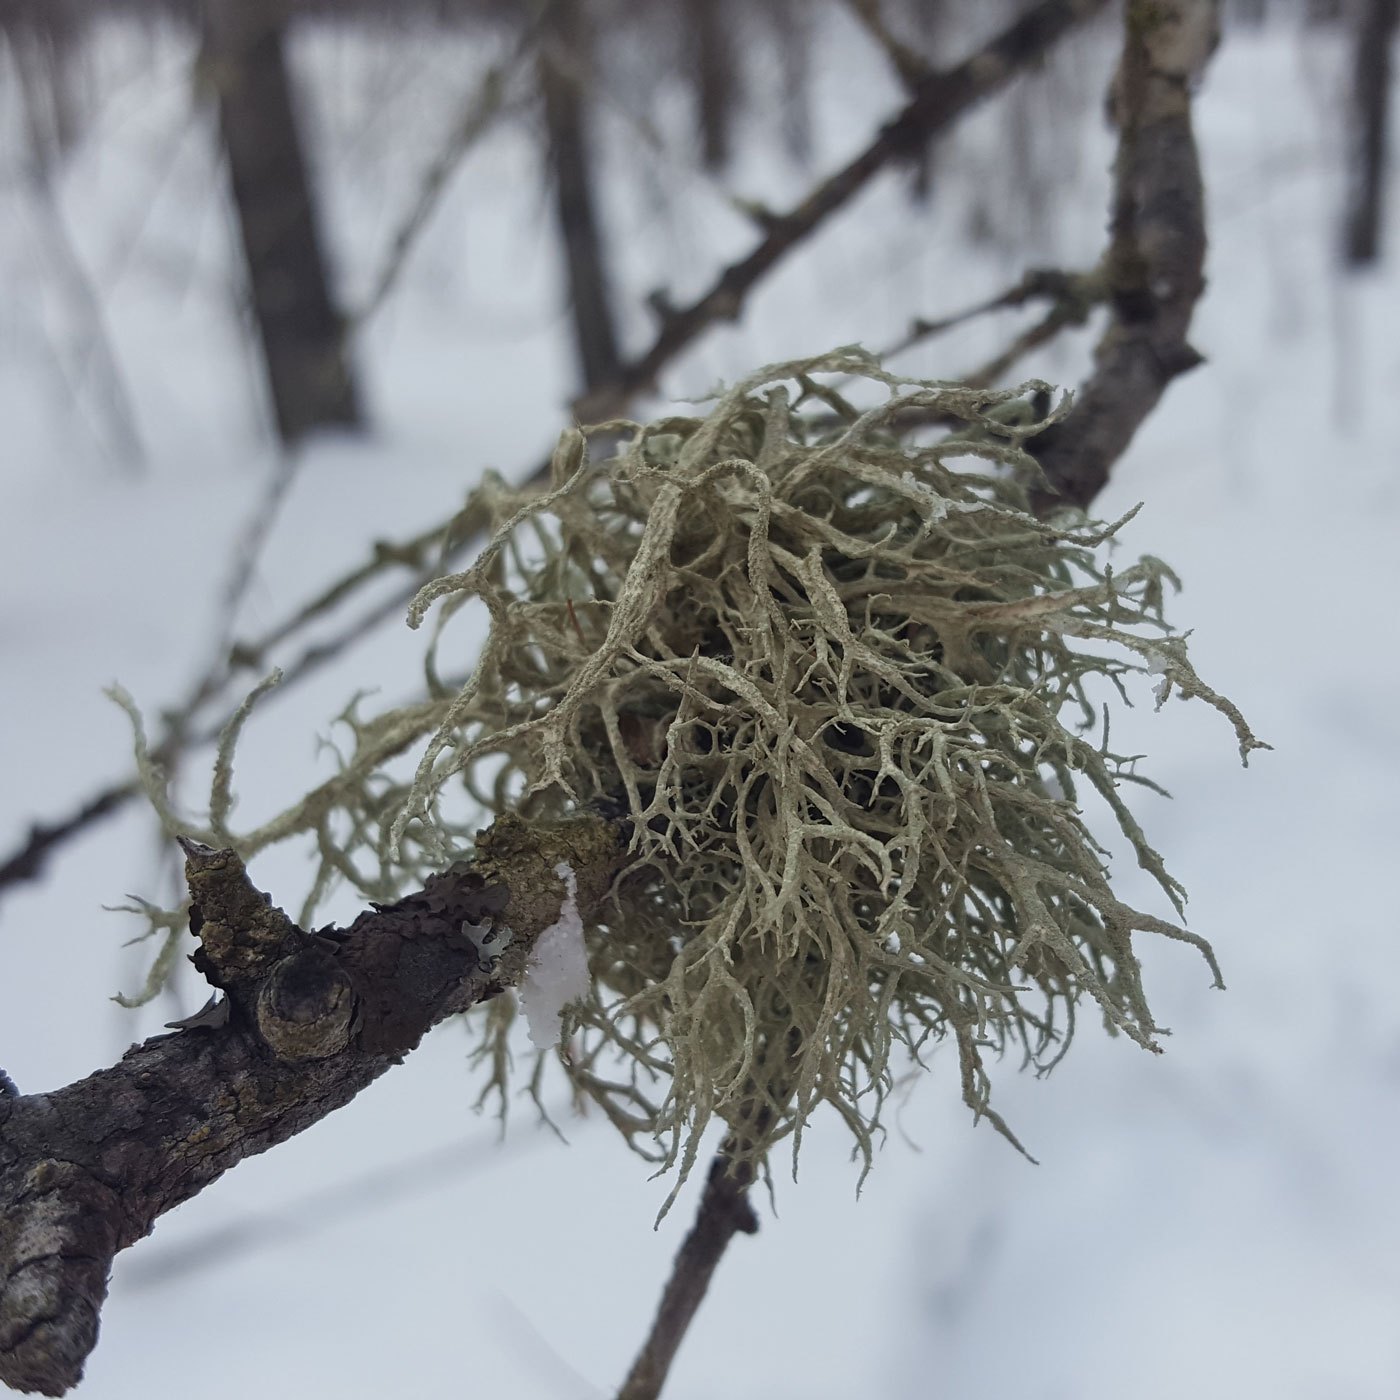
[
  {"x": 1218, "y": 1222},
  {"x": 557, "y": 972}
]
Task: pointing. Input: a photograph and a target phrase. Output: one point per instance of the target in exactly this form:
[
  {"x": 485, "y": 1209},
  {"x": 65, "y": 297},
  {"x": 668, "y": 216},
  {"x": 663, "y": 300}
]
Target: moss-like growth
[{"x": 825, "y": 676}]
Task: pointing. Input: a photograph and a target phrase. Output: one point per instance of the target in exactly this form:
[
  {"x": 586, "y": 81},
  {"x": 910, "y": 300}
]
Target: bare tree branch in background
[
  {"x": 1368, "y": 122},
  {"x": 1156, "y": 255},
  {"x": 40, "y": 65},
  {"x": 711, "y": 34},
  {"x": 476, "y": 118},
  {"x": 940, "y": 99},
  {"x": 1072, "y": 296},
  {"x": 302, "y": 332},
  {"x": 911, "y": 66}
]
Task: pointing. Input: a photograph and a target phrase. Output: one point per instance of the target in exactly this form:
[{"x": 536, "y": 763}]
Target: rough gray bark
[
  {"x": 302, "y": 332},
  {"x": 306, "y": 1020}
]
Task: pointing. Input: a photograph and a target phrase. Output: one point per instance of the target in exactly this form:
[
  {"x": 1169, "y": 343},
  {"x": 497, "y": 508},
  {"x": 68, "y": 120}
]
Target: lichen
[{"x": 843, "y": 688}]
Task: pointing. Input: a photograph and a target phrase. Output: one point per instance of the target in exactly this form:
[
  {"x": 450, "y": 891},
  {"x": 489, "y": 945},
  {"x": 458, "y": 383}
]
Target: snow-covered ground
[{"x": 1216, "y": 1222}]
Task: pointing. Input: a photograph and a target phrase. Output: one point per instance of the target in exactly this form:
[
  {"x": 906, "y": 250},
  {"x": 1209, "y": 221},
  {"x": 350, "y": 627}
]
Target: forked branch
[{"x": 306, "y": 1020}]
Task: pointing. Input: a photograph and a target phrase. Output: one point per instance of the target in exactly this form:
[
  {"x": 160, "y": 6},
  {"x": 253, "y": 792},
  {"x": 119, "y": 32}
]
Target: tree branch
[
  {"x": 939, "y": 100},
  {"x": 1156, "y": 255},
  {"x": 307, "y": 1020},
  {"x": 724, "y": 1212}
]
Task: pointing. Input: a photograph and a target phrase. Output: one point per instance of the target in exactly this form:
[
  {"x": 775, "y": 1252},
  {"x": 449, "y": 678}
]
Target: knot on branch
[{"x": 305, "y": 1007}]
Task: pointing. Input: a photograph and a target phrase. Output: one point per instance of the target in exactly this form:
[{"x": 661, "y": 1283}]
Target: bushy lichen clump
[{"x": 825, "y": 676}]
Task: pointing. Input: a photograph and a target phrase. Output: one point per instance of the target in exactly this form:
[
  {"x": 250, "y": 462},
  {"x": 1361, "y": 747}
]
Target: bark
[
  {"x": 301, "y": 331},
  {"x": 306, "y": 1020},
  {"x": 1369, "y": 120},
  {"x": 1154, "y": 266}
]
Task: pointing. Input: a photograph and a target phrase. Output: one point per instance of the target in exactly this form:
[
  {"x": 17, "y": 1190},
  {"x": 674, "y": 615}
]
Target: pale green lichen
[{"x": 822, "y": 671}]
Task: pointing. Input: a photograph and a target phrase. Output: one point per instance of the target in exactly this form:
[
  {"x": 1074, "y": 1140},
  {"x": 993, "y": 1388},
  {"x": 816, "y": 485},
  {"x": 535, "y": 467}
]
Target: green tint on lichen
[{"x": 824, "y": 674}]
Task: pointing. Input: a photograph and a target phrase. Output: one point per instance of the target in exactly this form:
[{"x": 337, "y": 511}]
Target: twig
[
  {"x": 1080, "y": 297},
  {"x": 1153, "y": 267},
  {"x": 181, "y": 722},
  {"x": 477, "y": 116},
  {"x": 939, "y": 100},
  {"x": 95, "y": 351},
  {"x": 248, "y": 547},
  {"x": 1073, "y": 295},
  {"x": 27, "y": 863},
  {"x": 911, "y": 66},
  {"x": 724, "y": 1212}
]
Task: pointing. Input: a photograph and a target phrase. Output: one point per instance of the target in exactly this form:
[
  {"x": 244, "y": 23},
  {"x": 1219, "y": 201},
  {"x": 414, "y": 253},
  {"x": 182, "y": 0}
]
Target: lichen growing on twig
[{"x": 825, "y": 675}]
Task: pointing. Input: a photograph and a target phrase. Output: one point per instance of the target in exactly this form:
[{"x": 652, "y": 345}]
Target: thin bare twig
[
  {"x": 93, "y": 352},
  {"x": 939, "y": 100},
  {"x": 477, "y": 117},
  {"x": 911, "y": 65},
  {"x": 485, "y": 105},
  {"x": 1073, "y": 296},
  {"x": 724, "y": 1212}
]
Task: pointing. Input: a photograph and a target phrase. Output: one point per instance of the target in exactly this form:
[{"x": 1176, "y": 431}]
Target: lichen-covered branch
[
  {"x": 306, "y": 1020},
  {"x": 1156, "y": 255}
]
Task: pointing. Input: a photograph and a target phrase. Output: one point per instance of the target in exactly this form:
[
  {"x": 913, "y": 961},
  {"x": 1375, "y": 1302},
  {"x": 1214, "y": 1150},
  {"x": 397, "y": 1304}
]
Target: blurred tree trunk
[
  {"x": 302, "y": 332},
  {"x": 1369, "y": 119},
  {"x": 563, "y": 72},
  {"x": 710, "y": 41}
]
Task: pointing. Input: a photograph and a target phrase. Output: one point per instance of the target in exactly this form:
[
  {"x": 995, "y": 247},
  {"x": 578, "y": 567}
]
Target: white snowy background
[{"x": 1219, "y": 1221}]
